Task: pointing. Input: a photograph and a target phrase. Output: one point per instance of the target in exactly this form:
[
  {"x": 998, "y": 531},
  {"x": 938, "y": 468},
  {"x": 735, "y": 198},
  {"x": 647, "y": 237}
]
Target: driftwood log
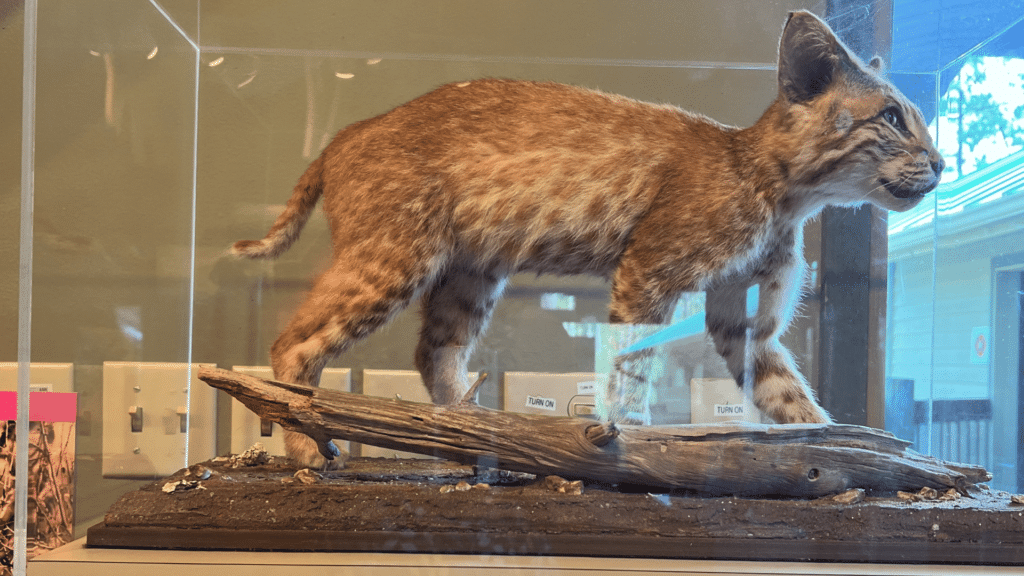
[{"x": 806, "y": 460}]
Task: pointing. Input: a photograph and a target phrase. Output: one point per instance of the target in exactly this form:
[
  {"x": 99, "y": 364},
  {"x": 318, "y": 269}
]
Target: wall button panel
[
  {"x": 565, "y": 394},
  {"x": 158, "y": 417},
  {"x": 43, "y": 377},
  {"x": 716, "y": 400}
]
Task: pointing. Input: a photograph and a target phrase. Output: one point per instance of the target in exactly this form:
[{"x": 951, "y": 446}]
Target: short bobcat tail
[{"x": 289, "y": 224}]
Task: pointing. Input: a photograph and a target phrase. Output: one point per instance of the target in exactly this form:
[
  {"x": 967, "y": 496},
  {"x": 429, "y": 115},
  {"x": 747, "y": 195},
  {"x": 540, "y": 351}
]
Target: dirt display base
[{"x": 428, "y": 506}]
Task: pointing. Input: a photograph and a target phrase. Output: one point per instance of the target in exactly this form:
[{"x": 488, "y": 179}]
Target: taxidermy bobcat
[{"x": 443, "y": 198}]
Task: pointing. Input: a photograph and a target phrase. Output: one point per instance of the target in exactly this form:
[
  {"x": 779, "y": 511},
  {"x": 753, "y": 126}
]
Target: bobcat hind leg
[
  {"x": 343, "y": 307},
  {"x": 455, "y": 312}
]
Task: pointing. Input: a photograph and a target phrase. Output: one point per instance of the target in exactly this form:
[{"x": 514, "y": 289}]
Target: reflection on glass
[{"x": 955, "y": 271}]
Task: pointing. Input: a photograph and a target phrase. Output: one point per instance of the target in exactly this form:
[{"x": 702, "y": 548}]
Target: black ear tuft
[{"x": 809, "y": 57}]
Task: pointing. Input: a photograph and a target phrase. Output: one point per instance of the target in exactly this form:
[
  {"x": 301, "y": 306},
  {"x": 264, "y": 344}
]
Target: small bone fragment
[
  {"x": 182, "y": 486},
  {"x": 199, "y": 471},
  {"x": 563, "y": 486},
  {"x": 574, "y": 488},
  {"x": 307, "y": 476},
  {"x": 254, "y": 456},
  {"x": 849, "y": 497},
  {"x": 553, "y": 482}
]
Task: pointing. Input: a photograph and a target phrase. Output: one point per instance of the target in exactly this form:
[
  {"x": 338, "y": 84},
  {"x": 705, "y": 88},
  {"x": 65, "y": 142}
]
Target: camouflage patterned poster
[{"x": 51, "y": 473}]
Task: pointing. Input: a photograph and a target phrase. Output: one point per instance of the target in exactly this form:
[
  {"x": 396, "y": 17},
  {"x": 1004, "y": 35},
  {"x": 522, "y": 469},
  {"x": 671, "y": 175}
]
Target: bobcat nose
[{"x": 938, "y": 165}]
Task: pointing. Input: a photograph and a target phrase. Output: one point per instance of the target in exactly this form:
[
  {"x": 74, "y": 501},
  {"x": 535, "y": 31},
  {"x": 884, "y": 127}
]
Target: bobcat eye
[{"x": 894, "y": 118}]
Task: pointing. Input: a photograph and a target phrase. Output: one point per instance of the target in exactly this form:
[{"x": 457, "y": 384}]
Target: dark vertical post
[{"x": 853, "y": 267}]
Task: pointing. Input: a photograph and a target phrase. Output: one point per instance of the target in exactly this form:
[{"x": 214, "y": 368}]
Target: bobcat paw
[
  {"x": 815, "y": 415},
  {"x": 787, "y": 402},
  {"x": 304, "y": 453},
  {"x": 806, "y": 412}
]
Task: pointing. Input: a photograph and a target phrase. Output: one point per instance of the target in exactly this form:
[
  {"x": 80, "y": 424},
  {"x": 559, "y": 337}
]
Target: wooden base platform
[{"x": 416, "y": 506}]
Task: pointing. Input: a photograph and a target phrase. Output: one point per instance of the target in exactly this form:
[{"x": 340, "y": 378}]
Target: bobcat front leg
[{"x": 779, "y": 390}]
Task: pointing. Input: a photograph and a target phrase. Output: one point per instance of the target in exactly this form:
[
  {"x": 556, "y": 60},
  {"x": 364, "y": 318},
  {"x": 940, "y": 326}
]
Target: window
[{"x": 954, "y": 378}]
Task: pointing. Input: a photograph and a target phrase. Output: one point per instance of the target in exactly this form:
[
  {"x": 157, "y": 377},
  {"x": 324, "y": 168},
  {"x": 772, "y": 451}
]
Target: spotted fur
[{"x": 442, "y": 199}]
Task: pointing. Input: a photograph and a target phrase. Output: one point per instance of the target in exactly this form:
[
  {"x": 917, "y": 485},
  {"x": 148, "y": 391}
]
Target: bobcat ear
[
  {"x": 877, "y": 64},
  {"x": 810, "y": 56}
]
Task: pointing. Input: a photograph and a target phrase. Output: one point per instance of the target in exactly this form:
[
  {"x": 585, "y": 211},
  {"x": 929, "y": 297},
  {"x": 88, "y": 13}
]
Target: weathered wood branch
[{"x": 738, "y": 458}]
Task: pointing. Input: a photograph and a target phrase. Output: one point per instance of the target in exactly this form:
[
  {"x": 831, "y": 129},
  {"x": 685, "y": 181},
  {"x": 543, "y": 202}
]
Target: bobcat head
[{"x": 850, "y": 135}]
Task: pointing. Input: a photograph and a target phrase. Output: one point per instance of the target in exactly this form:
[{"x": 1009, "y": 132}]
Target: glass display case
[
  {"x": 953, "y": 336},
  {"x": 163, "y": 131}
]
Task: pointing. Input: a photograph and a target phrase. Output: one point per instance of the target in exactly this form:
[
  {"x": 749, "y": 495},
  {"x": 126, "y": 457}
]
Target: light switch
[
  {"x": 43, "y": 377},
  {"x": 247, "y": 428},
  {"x": 157, "y": 418}
]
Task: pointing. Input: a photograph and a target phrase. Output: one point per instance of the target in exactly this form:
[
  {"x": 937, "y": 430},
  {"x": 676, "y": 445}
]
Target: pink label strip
[{"x": 43, "y": 406}]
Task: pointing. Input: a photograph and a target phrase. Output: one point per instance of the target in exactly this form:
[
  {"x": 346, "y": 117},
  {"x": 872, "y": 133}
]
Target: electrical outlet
[
  {"x": 247, "y": 428},
  {"x": 400, "y": 384},
  {"x": 157, "y": 418},
  {"x": 568, "y": 394},
  {"x": 42, "y": 377}
]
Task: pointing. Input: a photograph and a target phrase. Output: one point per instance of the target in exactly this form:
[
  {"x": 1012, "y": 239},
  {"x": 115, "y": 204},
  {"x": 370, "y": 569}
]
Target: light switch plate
[
  {"x": 246, "y": 425},
  {"x": 563, "y": 394},
  {"x": 154, "y": 398},
  {"x": 401, "y": 384},
  {"x": 715, "y": 400},
  {"x": 42, "y": 377}
]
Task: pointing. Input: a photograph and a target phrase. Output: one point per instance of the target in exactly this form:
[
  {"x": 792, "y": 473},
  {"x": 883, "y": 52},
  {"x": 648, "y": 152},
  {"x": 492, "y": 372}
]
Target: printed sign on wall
[{"x": 981, "y": 344}]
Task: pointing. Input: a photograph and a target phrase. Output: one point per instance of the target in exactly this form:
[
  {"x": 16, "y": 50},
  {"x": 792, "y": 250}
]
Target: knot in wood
[{"x": 601, "y": 434}]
